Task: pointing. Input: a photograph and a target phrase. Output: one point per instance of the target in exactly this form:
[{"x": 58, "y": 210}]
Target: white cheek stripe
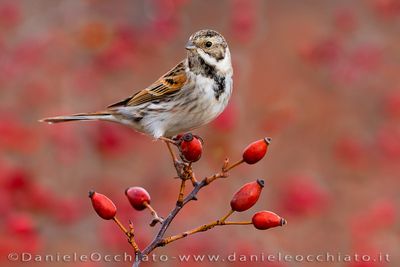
[{"x": 223, "y": 66}]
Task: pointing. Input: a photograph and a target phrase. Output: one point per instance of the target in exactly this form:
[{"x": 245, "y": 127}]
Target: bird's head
[{"x": 211, "y": 47}]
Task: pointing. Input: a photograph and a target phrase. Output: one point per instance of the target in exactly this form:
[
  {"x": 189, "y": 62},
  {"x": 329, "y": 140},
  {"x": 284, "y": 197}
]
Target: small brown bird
[{"x": 188, "y": 96}]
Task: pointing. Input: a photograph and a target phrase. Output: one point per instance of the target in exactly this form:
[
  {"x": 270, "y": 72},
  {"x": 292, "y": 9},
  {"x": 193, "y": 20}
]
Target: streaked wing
[{"x": 168, "y": 84}]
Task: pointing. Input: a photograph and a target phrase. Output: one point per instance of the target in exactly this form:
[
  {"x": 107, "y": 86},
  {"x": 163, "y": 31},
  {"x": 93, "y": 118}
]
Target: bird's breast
[{"x": 212, "y": 94}]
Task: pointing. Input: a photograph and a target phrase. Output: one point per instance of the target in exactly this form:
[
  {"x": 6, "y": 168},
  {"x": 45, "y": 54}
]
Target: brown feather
[{"x": 168, "y": 84}]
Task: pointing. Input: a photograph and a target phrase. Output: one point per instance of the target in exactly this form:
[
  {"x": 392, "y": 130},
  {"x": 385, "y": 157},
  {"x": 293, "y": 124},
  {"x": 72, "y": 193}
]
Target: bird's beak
[{"x": 190, "y": 45}]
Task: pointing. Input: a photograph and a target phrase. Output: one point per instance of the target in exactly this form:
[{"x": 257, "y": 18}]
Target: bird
[{"x": 190, "y": 95}]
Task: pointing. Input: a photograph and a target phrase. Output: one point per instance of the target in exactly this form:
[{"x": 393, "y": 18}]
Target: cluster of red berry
[{"x": 190, "y": 150}]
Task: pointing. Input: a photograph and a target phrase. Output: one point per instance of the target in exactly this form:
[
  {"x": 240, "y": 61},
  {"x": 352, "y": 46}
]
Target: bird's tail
[{"x": 101, "y": 115}]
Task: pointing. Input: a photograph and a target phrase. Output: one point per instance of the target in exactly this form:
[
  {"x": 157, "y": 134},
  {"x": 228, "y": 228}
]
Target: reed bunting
[{"x": 188, "y": 96}]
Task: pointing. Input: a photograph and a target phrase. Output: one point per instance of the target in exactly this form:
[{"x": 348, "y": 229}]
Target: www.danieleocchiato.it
[{"x": 232, "y": 257}]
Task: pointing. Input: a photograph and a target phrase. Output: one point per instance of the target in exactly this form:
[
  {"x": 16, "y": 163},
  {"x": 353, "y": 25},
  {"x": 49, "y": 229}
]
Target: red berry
[
  {"x": 247, "y": 196},
  {"x": 138, "y": 197},
  {"x": 256, "y": 151},
  {"x": 263, "y": 220},
  {"x": 190, "y": 147},
  {"x": 103, "y": 206}
]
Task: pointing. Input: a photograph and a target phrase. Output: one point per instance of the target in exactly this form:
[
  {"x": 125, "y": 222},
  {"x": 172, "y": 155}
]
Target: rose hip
[
  {"x": 263, "y": 220},
  {"x": 103, "y": 206},
  {"x": 190, "y": 147},
  {"x": 138, "y": 197},
  {"x": 247, "y": 196},
  {"x": 256, "y": 151}
]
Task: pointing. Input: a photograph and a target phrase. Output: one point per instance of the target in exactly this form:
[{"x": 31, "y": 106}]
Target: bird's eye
[{"x": 208, "y": 44}]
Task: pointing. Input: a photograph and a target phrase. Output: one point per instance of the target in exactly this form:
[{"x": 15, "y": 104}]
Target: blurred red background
[{"x": 319, "y": 77}]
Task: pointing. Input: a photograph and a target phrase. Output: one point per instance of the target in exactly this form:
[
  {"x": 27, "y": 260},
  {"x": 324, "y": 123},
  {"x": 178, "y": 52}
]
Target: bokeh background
[{"x": 319, "y": 77}]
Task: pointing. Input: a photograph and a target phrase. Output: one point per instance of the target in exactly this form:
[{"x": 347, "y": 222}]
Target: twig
[
  {"x": 129, "y": 234},
  {"x": 157, "y": 241},
  {"x": 168, "y": 142},
  {"x": 193, "y": 178},
  {"x": 222, "y": 174},
  {"x": 201, "y": 228},
  {"x": 181, "y": 193},
  {"x": 228, "y": 168},
  {"x": 156, "y": 218},
  {"x": 223, "y": 219}
]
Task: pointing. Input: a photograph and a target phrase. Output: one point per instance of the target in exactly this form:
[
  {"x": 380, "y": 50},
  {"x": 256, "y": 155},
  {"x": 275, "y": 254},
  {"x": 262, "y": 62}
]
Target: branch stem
[
  {"x": 168, "y": 142},
  {"x": 181, "y": 193},
  {"x": 120, "y": 225},
  {"x": 129, "y": 234},
  {"x": 223, "y": 219},
  {"x": 201, "y": 228},
  {"x": 237, "y": 163}
]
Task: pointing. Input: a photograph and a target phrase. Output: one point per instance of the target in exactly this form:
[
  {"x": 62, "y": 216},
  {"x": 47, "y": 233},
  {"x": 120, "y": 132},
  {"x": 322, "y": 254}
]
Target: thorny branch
[
  {"x": 185, "y": 172},
  {"x": 190, "y": 150}
]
